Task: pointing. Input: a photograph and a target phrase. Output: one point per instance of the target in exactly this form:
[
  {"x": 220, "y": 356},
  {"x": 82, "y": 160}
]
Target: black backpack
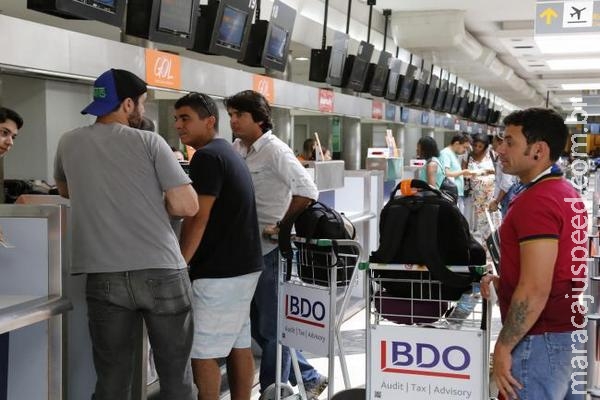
[
  {"x": 319, "y": 221},
  {"x": 426, "y": 228}
]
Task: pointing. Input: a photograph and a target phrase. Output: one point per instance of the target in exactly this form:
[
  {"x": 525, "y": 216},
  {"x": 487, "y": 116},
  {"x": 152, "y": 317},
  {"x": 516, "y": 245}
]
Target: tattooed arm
[{"x": 531, "y": 294}]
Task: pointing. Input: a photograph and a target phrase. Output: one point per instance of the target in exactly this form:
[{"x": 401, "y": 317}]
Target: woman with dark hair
[
  {"x": 480, "y": 164},
  {"x": 432, "y": 172}
]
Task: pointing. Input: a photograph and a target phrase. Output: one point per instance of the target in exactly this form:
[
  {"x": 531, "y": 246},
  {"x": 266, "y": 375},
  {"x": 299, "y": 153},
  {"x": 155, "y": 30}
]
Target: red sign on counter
[
  {"x": 377, "y": 110},
  {"x": 325, "y": 100}
]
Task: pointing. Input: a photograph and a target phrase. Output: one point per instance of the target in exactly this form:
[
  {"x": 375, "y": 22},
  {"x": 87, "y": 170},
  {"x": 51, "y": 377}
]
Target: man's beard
[{"x": 135, "y": 119}]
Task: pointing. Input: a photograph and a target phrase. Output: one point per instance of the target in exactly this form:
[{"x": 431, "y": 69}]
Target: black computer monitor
[
  {"x": 279, "y": 36},
  {"x": 464, "y": 103},
  {"x": 449, "y": 98},
  {"x": 108, "y": 11},
  {"x": 474, "y": 108},
  {"x": 482, "y": 113},
  {"x": 397, "y": 69},
  {"x": 406, "y": 86},
  {"x": 163, "y": 21},
  {"x": 431, "y": 91},
  {"x": 440, "y": 95},
  {"x": 419, "y": 88},
  {"x": 360, "y": 68},
  {"x": 380, "y": 77},
  {"x": 456, "y": 101},
  {"x": 337, "y": 60},
  {"x": 223, "y": 27}
]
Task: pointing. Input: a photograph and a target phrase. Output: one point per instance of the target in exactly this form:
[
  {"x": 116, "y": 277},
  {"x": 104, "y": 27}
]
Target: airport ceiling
[{"x": 503, "y": 28}]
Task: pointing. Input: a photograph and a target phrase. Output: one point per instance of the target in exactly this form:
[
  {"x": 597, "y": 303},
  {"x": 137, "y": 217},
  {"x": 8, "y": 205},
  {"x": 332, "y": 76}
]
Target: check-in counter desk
[
  {"x": 31, "y": 302},
  {"x": 361, "y": 200}
]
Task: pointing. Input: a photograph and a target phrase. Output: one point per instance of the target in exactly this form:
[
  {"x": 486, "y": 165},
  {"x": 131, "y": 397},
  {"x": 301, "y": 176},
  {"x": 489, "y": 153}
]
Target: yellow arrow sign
[{"x": 549, "y": 14}]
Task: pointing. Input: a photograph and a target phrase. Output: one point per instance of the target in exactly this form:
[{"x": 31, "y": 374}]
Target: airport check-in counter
[{"x": 32, "y": 303}]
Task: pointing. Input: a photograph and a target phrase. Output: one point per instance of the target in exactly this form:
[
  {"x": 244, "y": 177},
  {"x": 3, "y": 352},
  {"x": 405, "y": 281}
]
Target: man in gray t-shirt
[{"x": 123, "y": 184}]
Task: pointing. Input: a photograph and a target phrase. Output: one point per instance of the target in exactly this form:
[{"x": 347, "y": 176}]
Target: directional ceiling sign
[{"x": 554, "y": 17}]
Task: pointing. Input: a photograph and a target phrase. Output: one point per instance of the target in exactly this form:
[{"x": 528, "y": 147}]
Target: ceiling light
[
  {"x": 301, "y": 58},
  {"x": 569, "y": 43},
  {"x": 575, "y": 100},
  {"x": 581, "y": 86},
  {"x": 574, "y": 64}
]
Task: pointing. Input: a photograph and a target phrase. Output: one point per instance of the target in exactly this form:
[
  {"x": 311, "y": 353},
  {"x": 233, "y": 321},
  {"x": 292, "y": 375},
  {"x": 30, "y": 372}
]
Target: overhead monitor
[
  {"x": 456, "y": 101},
  {"x": 449, "y": 98},
  {"x": 224, "y": 27},
  {"x": 279, "y": 36},
  {"x": 164, "y": 21},
  {"x": 463, "y": 104},
  {"x": 358, "y": 75},
  {"x": 440, "y": 95},
  {"x": 406, "y": 86},
  {"x": 337, "y": 60},
  {"x": 431, "y": 91},
  {"x": 420, "y": 88},
  {"x": 108, "y": 11},
  {"x": 482, "y": 113},
  {"x": 474, "y": 109},
  {"x": 397, "y": 71},
  {"x": 380, "y": 77}
]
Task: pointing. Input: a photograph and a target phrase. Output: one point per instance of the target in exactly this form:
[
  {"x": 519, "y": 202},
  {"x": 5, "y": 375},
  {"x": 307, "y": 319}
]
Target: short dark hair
[
  {"x": 8, "y": 114},
  {"x": 481, "y": 138},
  {"x": 202, "y": 104},
  {"x": 541, "y": 125},
  {"x": 254, "y": 103},
  {"x": 460, "y": 138},
  {"x": 429, "y": 147}
]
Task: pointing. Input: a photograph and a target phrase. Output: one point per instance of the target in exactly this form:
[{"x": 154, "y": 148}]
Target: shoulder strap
[{"x": 433, "y": 260}]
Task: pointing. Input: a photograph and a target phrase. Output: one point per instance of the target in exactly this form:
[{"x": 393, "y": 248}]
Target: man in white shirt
[
  {"x": 452, "y": 166},
  {"x": 283, "y": 188}
]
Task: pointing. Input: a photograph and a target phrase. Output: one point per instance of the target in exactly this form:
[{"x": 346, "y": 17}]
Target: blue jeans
[
  {"x": 542, "y": 364},
  {"x": 116, "y": 304},
  {"x": 263, "y": 317}
]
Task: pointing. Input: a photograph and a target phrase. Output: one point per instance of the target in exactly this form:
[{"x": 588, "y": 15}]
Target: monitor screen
[
  {"x": 407, "y": 83},
  {"x": 107, "y": 5},
  {"x": 276, "y": 43},
  {"x": 449, "y": 98},
  {"x": 176, "y": 16},
  {"x": 339, "y": 49},
  {"x": 231, "y": 28},
  {"x": 430, "y": 94},
  {"x": 336, "y": 64}
]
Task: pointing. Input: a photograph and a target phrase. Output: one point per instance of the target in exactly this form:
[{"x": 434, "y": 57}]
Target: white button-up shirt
[{"x": 277, "y": 176}]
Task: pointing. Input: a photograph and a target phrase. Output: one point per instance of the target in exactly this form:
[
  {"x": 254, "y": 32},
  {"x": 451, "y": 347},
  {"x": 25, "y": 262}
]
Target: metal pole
[{"x": 348, "y": 17}]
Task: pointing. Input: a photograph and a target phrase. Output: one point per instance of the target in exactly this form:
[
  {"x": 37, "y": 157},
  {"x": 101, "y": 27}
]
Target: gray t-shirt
[{"x": 116, "y": 177}]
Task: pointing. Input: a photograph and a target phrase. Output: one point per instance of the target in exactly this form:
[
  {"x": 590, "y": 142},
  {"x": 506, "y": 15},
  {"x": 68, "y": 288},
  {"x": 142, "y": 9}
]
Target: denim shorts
[
  {"x": 222, "y": 315},
  {"x": 542, "y": 364}
]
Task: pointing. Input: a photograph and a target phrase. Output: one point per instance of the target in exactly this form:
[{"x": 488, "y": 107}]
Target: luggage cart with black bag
[{"x": 314, "y": 289}]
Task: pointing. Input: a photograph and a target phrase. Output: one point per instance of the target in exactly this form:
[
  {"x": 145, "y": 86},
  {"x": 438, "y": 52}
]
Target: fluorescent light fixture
[
  {"x": 575, "y": 100},
  {"x": 569, "y": 43},
  {"x": 574, "y": 63},
  {"x": 301, "y": 58},
  {"x": 581, "y": 86}
]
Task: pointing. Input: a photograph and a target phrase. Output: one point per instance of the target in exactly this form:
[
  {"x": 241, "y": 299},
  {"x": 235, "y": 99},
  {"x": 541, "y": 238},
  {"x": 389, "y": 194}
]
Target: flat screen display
[
  {"x": 337, "y": 59},
  {"x": 231, "y": 28},
  {"x": 430, "y": 94},
  {"x": 107, "y": 5},
  {"x": 176, "y": 16},
  {"x": 407, "y": 83},
  {"x": 336, "y": 65},
  {"x": 276, "y": 43}
]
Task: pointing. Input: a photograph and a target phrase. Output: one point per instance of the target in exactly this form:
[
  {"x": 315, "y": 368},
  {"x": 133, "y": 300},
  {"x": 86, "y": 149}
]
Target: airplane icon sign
[
  {"x": 578, "y": 14},
  {"x": 577, "y": 11}
]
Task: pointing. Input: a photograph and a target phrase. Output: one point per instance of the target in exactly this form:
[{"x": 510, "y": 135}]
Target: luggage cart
[
  {"x": 417, "y": 347},
  {"x": 314, "y": 290}
]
